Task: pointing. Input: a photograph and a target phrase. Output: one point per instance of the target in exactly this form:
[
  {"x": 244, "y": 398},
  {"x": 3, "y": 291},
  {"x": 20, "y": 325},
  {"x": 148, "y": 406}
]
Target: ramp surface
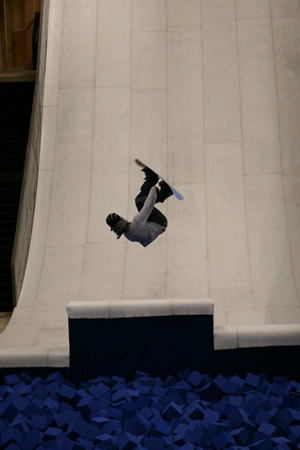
[{"x": 206, "y": 91}]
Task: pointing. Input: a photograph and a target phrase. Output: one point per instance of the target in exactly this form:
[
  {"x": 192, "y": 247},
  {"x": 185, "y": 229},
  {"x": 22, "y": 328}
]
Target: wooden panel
[{"x": 18, "y": 26}]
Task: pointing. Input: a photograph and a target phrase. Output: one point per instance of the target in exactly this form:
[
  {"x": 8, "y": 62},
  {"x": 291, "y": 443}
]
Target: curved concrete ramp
[{"x": 207, "y": 92}]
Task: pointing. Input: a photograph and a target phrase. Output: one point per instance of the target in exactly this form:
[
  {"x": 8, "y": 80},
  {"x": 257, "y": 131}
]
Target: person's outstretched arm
[{"x": 148, "y": 206}]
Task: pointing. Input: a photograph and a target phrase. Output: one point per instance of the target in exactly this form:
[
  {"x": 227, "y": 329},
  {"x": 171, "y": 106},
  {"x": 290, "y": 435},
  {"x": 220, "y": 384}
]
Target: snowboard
[{"x": 175, "y": 192}]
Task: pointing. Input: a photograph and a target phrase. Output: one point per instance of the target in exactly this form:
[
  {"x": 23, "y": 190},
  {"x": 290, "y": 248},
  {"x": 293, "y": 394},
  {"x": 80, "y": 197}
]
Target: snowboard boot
[
  {"x": 164, "y": 192},
  {"x": 150, "y": 176}
]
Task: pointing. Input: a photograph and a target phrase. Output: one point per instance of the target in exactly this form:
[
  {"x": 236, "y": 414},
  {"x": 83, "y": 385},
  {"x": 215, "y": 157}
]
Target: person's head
[{"x": 116, "y": 224}]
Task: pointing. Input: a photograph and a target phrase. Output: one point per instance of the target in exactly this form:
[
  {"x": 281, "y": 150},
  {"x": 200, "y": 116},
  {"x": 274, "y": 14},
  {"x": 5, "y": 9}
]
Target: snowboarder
[{"x": 149, "y": 223}]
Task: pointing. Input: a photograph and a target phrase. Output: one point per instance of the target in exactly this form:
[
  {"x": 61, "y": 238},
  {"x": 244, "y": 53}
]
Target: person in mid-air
[{"x": 149, "y": 223}]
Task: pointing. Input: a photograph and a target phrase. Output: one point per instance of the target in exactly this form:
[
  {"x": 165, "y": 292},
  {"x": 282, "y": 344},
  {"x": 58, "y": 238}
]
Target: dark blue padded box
[{"x": 160, "y": 337}]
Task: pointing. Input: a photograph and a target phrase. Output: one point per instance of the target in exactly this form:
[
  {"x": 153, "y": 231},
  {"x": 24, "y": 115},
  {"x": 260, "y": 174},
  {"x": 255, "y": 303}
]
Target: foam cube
[
  {"x": 241, "y": 436},
  {"x": 267, "y": 429},
  {"x": 161, "y": 428},
  {"x": 87, "y": 405},
  {"x": 87, "y": 445},
  {"x": 294, "y": 434},
  {"x": 8, "y": 412},
  {"x": 217, "y": 386},
  {"x": 13, "y": 446},
  {"x": 222, "y": 440},
  {"x": 154, "y": 442},
  {"x": 40, "y": 422},
  {"x": 52, "y": 432},
  {"x": 99, "y": 390},
  {"x": 114, "y": 413},
  {"x": 142, "y": 401},
  {"x": 195, "y": 378},
  {"x": 40, "y": 391},
  {"x": 128, "y": 441},
  {"x": 262, "y": 416},
  {"x": 66, "y": 392},
  {"x": 77, "y": 428},
  {"x": 195, "y": 411},
  {"x": 107, "y": 442},
  {"x": 264, "y": 444},
  {"x": 112, "y": 427},
  {"x": 253, "y": 380},
  {"x": 188, "y": 446},
  {"x": 289, "y": 417},
  {"x": 210, "y": 416},
  {"x": 282, "y": 442},
  {"x": 172, "y": 411},
  {"x": 49, "y": 403},
  {"x": 66, "y": 418},
  {"x": 249, "y": 425},
  {"x": 12, "y": 379},
  {"x": 193, "y": 435},
  {"x": 134, "y": 427},
  {"x": 9, "y": 436}
]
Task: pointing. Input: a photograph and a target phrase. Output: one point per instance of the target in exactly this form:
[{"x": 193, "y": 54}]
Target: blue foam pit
[{"x": 172, "y": 411}]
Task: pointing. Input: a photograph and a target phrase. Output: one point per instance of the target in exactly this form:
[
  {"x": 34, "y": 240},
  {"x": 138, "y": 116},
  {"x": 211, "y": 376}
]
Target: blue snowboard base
[{"x": 175, "y": 192}]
